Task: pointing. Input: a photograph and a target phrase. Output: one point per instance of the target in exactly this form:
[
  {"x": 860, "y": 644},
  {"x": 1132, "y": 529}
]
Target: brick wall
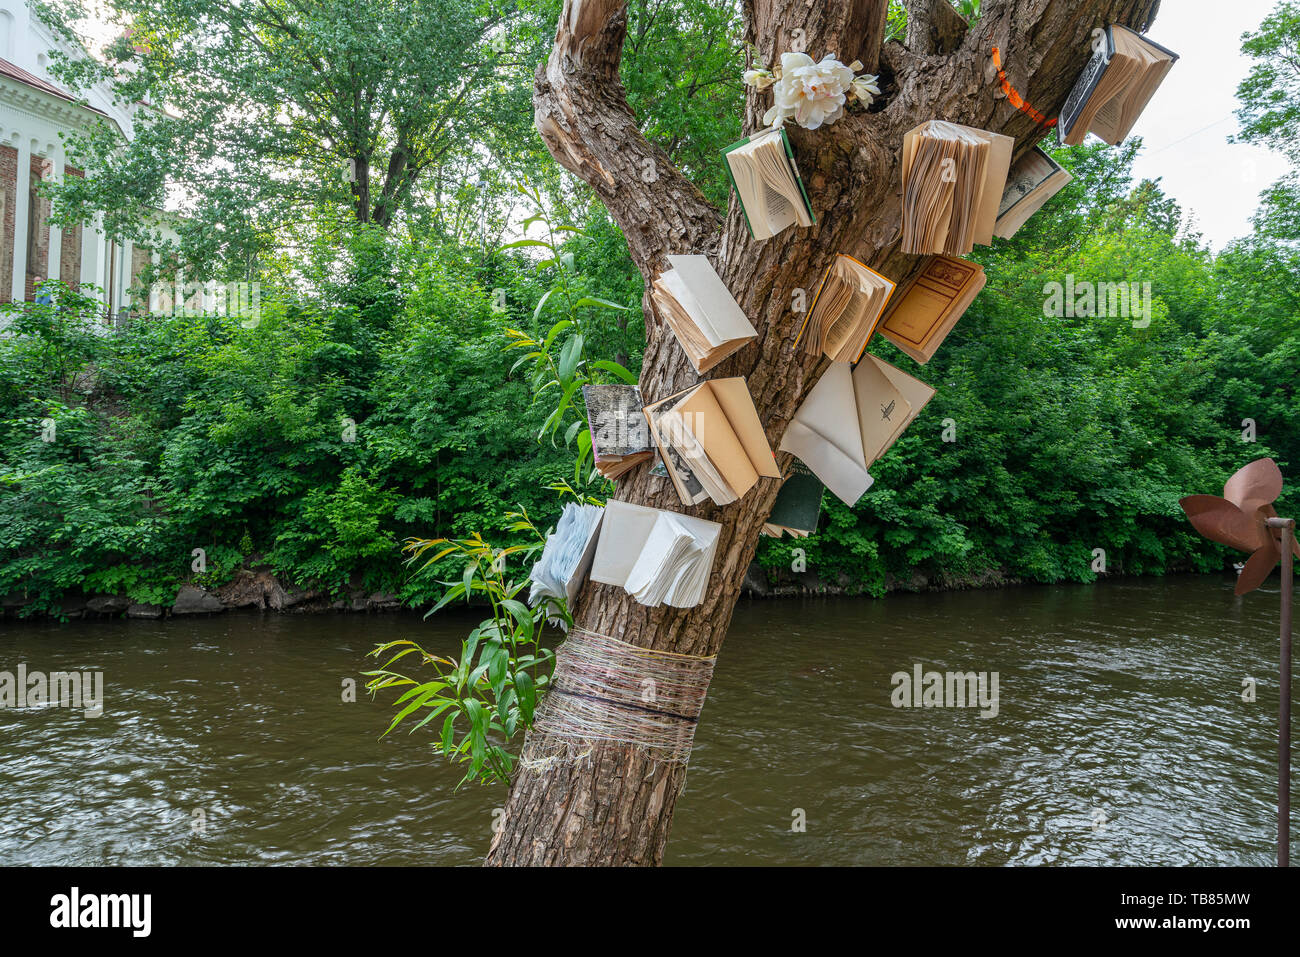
[
  {"x": 70, "y": 254},
  {"x": 8, "y": 184},
  {"x": 38, "y": 254}
]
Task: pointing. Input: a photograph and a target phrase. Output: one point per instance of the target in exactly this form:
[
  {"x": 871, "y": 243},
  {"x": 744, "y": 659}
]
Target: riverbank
[{"x": 259, "y": 589}]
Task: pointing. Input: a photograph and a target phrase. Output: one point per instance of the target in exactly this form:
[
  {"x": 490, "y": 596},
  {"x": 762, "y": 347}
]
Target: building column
[
  {"x": 154, "y": 257},
  {"x": 128, "y": 280},
  {"x": 106, "y": 273},
  {"x": 23, "y": 188},
  {"x": 92, "y": 251},
  {"x": 112, "y": 286},
  {"x": 54, "y": 265}
]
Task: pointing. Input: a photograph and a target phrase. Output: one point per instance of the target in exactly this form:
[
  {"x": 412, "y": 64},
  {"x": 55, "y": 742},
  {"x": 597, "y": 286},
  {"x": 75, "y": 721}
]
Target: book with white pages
[
  {"x": 1115, "y": 86},
  {"x": 767, "y": 182},
  {"x": 567, "y": 556},
  {"x": 849, "y": 302},
  {"x": 631, "y": 551},
  {"x": 670, "y": 566},
  {"x": 850, "y": 419},
  {"x": 701, "y": 312},
  {"x": 1034, "y": 179},
  {"x": 953, "y": 180},
  {"x": 714, "y": 432}
]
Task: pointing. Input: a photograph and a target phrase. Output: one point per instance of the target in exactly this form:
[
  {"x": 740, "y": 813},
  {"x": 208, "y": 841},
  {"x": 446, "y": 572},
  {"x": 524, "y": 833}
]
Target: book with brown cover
[{"x": 931, "y": 305}]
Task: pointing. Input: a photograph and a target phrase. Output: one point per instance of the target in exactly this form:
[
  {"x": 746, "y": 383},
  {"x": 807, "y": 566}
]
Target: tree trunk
[{"x": 616, "y": 806}]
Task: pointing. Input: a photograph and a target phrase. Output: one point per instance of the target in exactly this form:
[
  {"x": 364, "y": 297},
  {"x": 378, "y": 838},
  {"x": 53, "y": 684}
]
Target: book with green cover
[
  {"x": 798, "y": 505},
  {"x": 771, "y": 193}
]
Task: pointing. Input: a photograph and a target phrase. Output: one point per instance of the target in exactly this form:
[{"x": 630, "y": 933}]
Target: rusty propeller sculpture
[
  {"x": 1241, "y": 519},
  {"x": 1244, "y": 518}
]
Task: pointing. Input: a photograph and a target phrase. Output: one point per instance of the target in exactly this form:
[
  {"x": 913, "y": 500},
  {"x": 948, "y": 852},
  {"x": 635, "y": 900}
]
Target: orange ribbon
[{"x": 1014, "y": 98}]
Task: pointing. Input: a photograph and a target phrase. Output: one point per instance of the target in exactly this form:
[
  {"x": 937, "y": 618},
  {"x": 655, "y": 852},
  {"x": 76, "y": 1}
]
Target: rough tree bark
[{"x": 616, "y": 807}]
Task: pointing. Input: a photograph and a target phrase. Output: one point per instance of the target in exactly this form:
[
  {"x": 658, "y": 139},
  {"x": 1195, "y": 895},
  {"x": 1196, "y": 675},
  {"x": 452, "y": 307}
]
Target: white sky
[{"x": 1185, "y": 127}]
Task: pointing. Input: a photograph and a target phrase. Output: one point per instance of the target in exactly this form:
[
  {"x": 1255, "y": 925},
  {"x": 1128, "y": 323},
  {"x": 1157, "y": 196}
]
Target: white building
[{"x": 34, "y": 110}]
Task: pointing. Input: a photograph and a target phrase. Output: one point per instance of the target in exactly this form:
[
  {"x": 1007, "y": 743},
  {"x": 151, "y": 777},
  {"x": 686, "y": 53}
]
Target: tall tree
[
  {"x": 1270, "y": 112},
  {"x": 259, "y": 120},
  {"x": 615, "y": 806}
]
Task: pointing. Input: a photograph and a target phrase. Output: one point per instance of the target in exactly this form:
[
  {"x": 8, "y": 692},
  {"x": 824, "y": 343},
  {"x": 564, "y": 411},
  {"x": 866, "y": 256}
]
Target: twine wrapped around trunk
[{"x": 605, "y": 689}]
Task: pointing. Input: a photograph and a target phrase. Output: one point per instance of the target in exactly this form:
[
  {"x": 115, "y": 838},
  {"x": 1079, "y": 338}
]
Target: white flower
[
  {"x": 759, "y": 79},
  {"x": 809, "y": 92},
  {"x": 865, "y": 88}
]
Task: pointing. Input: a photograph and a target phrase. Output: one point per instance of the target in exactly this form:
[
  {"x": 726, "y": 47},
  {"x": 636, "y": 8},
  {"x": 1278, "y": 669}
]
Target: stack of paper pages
[
  {"x": 851, "y": 418},
  {"x": 921, "y": 318},
  {"x": 658, "y": 557},
  {"x": 953, "y": 177},
  {"x": 1034, "y": 179},
  {"x": 845, "y": 310},
  {"x": 711, "y": 441},
  {"x": 567, "y": 556},
  {"x": 619, "y": 436},
  {"x": 701, "y": 312},
  {"x": 767, "y": 183},
  {"x": 1115, "y": 87}
]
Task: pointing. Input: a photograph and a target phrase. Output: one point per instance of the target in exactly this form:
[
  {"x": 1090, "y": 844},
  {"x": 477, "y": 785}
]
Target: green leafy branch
[{"x": 489, "y": 693}]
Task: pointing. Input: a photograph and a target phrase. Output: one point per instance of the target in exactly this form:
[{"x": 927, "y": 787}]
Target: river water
[{"x": 1121, "y": 737}]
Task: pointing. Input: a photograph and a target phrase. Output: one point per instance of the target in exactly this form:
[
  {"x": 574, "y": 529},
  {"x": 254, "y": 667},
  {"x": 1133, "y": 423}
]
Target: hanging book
[
  {"x": 1114, "y": 88},
  {"x": 798, "y": 505},
  {"x": 658, "y": 557},
  {"x": 619, "y": 436},
  {"x": 1034, "y": 179},
  {"x": 673, "y": 466},
  {"x": 714, "y": 430},
  {"x": 851, "y": 418},
  {"x": 701, "y": 312},
  {"x": 953, "y": 177},
  {"x": 927, "y": 309},
  {"x": 568, "y": 554},
  {"x": 845, "y": 310},
  {"x": 767, "y": 183}
]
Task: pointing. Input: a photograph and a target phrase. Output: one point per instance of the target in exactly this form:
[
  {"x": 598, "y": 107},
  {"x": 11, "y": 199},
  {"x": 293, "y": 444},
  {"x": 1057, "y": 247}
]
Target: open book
[
  {"x": 845, "y": 310},
  {"x": 701, "y": 312},
  {"x": 851, "y": 418},
  {"x": 953, "y": 177},
  {"x": 798, "y": 505},
  {"x": 713, "y": 431},
  {"x": 1115, "y": 87},
  {"x": 1034, "y": 179},
  {"x": 924, "y": 314},
  {"x": 569, "y": 550},
  {"x": 619, "y": 437},
  {"x": 658, "y": 557},
  {"x": 767, "y": 183}
]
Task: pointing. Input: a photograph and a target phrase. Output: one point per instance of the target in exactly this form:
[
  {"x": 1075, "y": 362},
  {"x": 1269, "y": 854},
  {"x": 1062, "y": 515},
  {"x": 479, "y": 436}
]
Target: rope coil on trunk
[{"x": 605, "y": 689}]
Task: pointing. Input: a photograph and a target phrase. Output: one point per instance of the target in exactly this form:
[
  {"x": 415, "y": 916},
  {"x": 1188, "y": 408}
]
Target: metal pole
[{"x": 1287, "y": 525}]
